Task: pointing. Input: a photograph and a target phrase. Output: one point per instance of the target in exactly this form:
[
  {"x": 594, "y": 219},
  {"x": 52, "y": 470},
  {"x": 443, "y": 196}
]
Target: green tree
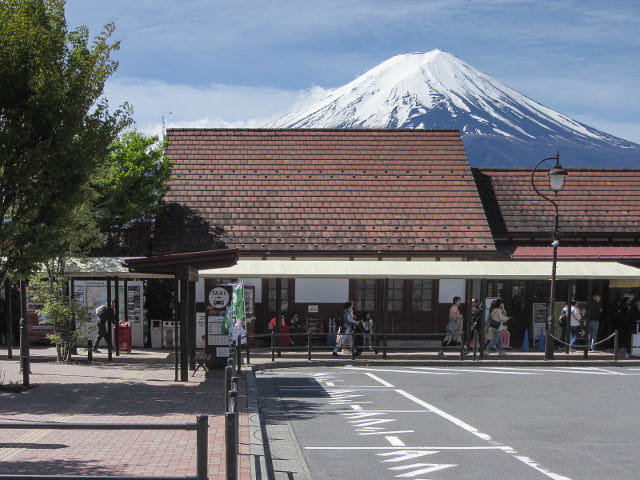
[
  {"x": 130, "y": 191},
  {"x": 65, "y": 314},
  {"x": 55, "y": 126}
]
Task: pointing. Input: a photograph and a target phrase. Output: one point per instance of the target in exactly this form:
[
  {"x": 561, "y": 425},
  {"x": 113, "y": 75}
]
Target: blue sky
[{"x": 235, "y": 63}]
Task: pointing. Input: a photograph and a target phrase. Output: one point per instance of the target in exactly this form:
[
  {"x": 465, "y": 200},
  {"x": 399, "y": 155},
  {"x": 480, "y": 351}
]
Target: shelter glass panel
[
  {"x": 364, "y": 295},
  {"x": 395, "y": 295},
  {"x": 422, "y": 295},
  {"x": 284, "y": 295}
]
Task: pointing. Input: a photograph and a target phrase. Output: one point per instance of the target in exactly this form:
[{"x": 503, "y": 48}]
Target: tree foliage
[
  {"x": 130, "y": 190},
  {"x": 64, "y": 313},
  {"x": 55, "y": 126}
]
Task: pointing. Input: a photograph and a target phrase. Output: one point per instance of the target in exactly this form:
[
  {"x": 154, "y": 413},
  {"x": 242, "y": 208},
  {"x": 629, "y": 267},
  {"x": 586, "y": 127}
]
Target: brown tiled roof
[
  {"x": 331, "y": 191},
  {"x": 594, "y": 204}
]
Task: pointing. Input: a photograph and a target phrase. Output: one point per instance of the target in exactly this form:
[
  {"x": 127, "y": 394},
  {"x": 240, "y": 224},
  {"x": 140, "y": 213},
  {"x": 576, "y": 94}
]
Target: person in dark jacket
[{"x": 105, "y": 315}]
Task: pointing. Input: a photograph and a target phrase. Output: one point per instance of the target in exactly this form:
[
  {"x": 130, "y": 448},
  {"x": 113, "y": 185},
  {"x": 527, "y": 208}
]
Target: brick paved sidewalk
[{"x": 115, "y": 393}]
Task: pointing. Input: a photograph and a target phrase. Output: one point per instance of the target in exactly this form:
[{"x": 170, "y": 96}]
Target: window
[
  {"x": 364, "y": 295},
  {"x": 284, "y": 295},
  {"x": 395, "y": 295},
  {"x": 422, "y": 295}
]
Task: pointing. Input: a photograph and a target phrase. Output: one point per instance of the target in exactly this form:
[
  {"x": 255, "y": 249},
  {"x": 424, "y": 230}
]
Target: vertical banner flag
[{"x": 238, "y": 301}]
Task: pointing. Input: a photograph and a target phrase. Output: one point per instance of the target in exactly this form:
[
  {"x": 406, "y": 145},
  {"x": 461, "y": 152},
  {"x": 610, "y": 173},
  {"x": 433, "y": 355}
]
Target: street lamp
[{"x": 556, "y": 182}]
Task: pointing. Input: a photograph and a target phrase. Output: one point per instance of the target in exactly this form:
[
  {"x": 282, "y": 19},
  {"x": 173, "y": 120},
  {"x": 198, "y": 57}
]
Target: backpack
[{"x": 101, "y": 311}]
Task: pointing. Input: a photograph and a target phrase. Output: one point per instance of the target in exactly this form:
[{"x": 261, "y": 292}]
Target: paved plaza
[{"x": 136, "y": 387}]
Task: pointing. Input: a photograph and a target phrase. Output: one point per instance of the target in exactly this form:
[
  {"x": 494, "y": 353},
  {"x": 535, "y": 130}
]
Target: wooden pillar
[
  {"x": 183, "y": 315},
  {"x": 109, "y": 335},
  {"x": 278, "y": 313},
  {"x": 116, "y": 316},
  {"x": 191, "y": 323},
  {"x": 8, "y": 295}
]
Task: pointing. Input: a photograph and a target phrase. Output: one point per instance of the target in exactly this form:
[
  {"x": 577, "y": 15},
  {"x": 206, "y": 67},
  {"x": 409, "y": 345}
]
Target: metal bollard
[
  {"x": 89, "y": 351},
  {"x": 273, "y": 347},
  {"x": 231, "y": 445},
  {"x": 309, "y": 345},
  {"x": 228, "y": 371},
  {"x": 233, "y": 399},
  {"x": 476, "y": 340},
  {"x": 353, "y": 345},
  {"x": 202, "y": 446},
  {"x": 238, "y": 358},
  {"x": 248, "y": 351},
  {"x": 24, "y": 353},
  {"x": 615, "y": 345},
  {"x": 234, "y": 383}
]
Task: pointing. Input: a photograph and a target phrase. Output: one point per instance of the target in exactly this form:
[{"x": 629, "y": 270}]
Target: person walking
[
  {"x": 367, "y": 328},
  {"x": 575, "y": 317},
  {"x": 595, "y": 311},
  {"x": 453, "y": 325},
  {"x": 297, "y": 332},
  {"x": 497, "y": 323},
  {"x": 348, "y": 323},
  {"x": 105, "y": 315}
]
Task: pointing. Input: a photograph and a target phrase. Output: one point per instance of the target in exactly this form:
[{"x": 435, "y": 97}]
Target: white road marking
[
  {"x": 379, "y": 380},
  {"x": 404, "y": 455},
  {"x": 394, "y": 441},
  {"x": 386, "y": 432},
  {"x": 465, "y": 426},
  {"x": 436, "y": 448},
  {"x": 446, "y": 416},
  {"x": 430, "y": 467}
]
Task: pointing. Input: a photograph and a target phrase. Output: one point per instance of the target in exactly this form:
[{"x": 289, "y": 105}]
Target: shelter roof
[{"x": 310, "y": 192}]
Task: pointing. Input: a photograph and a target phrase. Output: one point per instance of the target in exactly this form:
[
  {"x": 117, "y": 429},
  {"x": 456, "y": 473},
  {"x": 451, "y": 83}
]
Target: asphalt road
[{"x": 452, "y": 423}]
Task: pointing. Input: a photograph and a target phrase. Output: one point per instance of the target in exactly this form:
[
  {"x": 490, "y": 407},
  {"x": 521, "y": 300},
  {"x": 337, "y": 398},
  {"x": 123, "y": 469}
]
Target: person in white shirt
[{"x": 574, "y": 323}]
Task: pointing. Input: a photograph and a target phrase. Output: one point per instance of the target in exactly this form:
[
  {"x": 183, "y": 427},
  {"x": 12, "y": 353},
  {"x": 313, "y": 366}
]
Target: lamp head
[{"x": 556, "y": 175}]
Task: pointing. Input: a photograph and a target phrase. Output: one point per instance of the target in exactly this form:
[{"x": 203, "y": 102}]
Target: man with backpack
[{"x": 105, "y": 316}]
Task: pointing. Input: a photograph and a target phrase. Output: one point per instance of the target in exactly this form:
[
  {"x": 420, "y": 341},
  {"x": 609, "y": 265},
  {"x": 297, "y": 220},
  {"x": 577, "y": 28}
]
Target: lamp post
[{"x": 556, "y": 182}]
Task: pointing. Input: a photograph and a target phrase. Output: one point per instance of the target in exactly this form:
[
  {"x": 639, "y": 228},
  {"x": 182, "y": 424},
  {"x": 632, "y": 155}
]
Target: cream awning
[{"x": 520, "y": 270}]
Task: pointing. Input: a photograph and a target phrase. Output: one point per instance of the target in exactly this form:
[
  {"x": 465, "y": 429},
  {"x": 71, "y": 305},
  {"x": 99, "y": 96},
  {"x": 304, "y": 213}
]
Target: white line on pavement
[
  {"x": 394, "y": 441},
  {"x": 465, "y": 426},
  {"x": 379, "y": 380}
]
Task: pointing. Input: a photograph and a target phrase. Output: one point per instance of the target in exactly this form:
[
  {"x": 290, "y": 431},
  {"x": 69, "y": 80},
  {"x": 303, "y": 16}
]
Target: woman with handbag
[{"x": 497, "y": 322}]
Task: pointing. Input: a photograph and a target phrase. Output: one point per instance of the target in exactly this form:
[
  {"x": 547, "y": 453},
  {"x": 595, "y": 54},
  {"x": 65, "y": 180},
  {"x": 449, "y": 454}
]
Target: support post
[
  {"x": 202, "y": 446},
  {"x": 231, "y": 443},
  {"x": 24, "y": 352},
  {"x": 109, "y": 322}
]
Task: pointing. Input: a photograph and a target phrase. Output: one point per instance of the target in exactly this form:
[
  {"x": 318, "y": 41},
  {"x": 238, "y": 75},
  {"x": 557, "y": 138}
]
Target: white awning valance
[{"x": 417, "y": 269}]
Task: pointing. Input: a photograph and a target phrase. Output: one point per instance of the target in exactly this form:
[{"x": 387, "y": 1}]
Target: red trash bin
[{"x": 124, "y": 337}]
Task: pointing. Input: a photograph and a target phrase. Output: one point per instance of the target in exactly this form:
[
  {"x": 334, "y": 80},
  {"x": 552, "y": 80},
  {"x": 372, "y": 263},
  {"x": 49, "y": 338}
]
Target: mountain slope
[{"x": 500, "y": 127}]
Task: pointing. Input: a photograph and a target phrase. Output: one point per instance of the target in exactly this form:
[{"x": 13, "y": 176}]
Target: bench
[{"x": 201, "y": 358}]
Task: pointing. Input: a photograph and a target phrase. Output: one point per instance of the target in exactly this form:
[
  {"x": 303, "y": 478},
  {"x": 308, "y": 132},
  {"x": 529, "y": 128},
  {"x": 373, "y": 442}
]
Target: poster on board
[{"x": 538, "y": 320}]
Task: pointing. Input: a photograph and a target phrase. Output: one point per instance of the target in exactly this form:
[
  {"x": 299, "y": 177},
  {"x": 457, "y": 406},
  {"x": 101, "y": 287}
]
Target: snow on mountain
[{"x": 500, "y": 127}]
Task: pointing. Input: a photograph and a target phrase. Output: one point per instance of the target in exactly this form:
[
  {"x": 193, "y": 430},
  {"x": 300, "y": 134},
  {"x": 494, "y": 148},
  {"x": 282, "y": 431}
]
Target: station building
[{"x": 395, "y": 220}]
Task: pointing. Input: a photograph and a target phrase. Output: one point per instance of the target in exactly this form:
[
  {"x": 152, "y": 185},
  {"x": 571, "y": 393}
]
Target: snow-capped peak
[{"x": 438, "y": 90}]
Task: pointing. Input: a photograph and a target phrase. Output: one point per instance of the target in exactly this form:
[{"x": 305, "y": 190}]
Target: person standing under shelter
[
  {"x": 348, "y": 323},
  {"x": 574, "y": 323},
  {"x": 453, "y": 325},
  {"x": 477, "y": 325},
  {"x": 367, "y": 330},
  {"x": 497, "y": 323},
  {"x": 105, "y": 315},
  {"x": 595, "y": 311}
]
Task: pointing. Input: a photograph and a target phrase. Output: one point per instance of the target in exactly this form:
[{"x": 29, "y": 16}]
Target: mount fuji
[{"x": 500, "y": 127}]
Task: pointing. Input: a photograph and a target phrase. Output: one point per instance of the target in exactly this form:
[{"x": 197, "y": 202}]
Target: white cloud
[{"x": 215, "y": 105}]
